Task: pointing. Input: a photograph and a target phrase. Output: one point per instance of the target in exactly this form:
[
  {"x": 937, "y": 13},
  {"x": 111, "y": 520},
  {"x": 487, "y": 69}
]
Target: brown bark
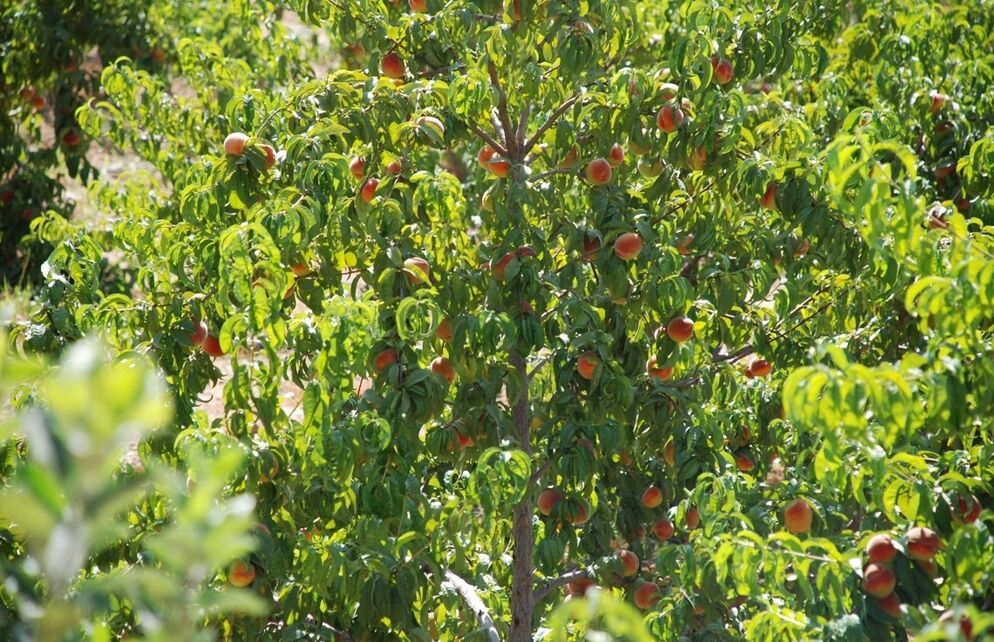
[{"x": 522, "y": 571}]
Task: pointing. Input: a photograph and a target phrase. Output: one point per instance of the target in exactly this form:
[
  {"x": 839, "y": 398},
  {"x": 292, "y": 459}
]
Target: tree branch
[
  {"x": 538, "y": 365},
  {"x": 681, "y": 383},
  {"x": 739, "y": 354},
  {"x": 537, "y": 475},
  {"x": 472, "y": 598},
  {"x": 519, "y": 136},
  {"x": 550, "y": 121},
  {"x": 562, "y": 580},
  {"x": 502, "y": 113},
  {"x": 487, "y": 138},
  {"x": 552, "y": 172}
]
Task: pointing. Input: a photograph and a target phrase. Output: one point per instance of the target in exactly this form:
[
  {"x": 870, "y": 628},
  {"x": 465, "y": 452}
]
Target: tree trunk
[{"x": 522, "y": 532}]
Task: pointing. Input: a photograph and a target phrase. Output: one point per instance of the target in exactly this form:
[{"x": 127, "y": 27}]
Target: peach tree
[{"x": 690, "y": 303}]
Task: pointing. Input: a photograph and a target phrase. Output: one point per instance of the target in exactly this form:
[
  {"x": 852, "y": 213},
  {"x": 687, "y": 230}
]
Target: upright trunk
[{"x": 524, "y": 535}]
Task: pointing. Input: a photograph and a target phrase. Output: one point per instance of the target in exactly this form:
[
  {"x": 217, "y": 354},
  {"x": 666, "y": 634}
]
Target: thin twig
[
  {"x": 552, "y": 172},
  {"x": 541, "y": 362},
  {"x": 739, "y": 354},
  {"x": 487, "y": 138},
  {"x": 549, "y": 122}
]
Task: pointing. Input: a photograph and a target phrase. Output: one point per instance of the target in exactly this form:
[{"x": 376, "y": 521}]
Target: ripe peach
[
  {"x": 444, "y": 331},
  {"x": 591, "y": 245},
  {"x": 499, "y": 168},
  {"x": 485, "y": 154},
  {"x": 722, "y": 70},
  {"x": 384, "y": 359},
  {"x": 578, "y": 516},
  {"x": 464, "y": 440},
  {"x": 929, "y": 566},
  {"x": 878, "y": 580},
  {"x": 418, "y": 6},
  {"x": 598, "y": 172},
  {"x": 945, "y": 170},
  {"x": 661, "y": 374},
  {"x": 881, "y": 550},
  {"x": 213, "y": 347},
  {"x": 797, "y": 516},
  {"x": 652, "y": 497},
  {"x": 580, "y": 586},
  {"x": 443, "y": 368},
  {"x": 499, "y": 268},
  {"x": 627, "y": 246},
  {"x": 680, "y": 329},
  {"x": 357, "y": 166},
  {"x": 582, "y": 26},
  {"x": 368, "y": 190},
  {"x": 669, "y": 118},
  {"x": 693, "y": 518},
  {"x": 270, "y": 156},
  {"x": 663, "y": 529},
  {"x": 301, "y": 270},
  {"x": 241, "y": 574},
  {"x": 646, "y": 595},
  {"x": 394, "y": 168},
  {"x": 923, "y": 543},
  {"x": 683, "y": 247},
  {"x": 586, "y": 364},
  {"x": 669, "y": 452},
  {"x": 937, "y": 102},
  {"x": 38, "y": 103},
  {"x": 234, "y": 144},
  {"x": 616, "y": 156},
  {"x": 629, "y": 563},
  {"x": 27, "y": 93},
  {"x": 569, "y": 160},
  {"x": 768, "y": 200},
  {"x": 547, "y": 500},
  {"x": 199, "y": 334},
  {"x": 759, "y": 368},
  {"x": 417, "y": 270},
  {"x": 526, "y": 251},
  {"x": 968, "y": 509},
  {"x": 744, "y": 460},
  {"x": 393, "y": 66},
  {"x": 802, "y": 248},
  {"x": 891, "y": 605},
  {"x": 6, "y": 196},
  {"x": 71, "y": 138}
]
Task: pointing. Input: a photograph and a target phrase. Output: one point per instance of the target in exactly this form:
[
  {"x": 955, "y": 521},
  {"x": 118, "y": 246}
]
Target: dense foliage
[{"x": 691, "y": 302}]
